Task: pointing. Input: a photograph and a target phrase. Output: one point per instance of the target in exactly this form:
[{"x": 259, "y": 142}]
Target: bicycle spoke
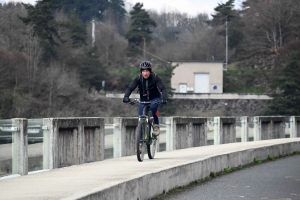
[{"x": 151, "y": 146}]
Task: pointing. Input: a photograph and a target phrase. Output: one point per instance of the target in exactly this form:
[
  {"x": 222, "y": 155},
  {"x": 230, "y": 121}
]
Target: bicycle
[{"x": 144, "y": 135}]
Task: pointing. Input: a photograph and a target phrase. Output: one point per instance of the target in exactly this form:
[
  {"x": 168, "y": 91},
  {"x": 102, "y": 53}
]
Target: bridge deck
[{"x": 126, "y": 178}]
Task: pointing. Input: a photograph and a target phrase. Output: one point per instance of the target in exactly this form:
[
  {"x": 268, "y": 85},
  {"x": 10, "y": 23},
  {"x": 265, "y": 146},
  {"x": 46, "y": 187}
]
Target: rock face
[{"x": 219, "y": 107}]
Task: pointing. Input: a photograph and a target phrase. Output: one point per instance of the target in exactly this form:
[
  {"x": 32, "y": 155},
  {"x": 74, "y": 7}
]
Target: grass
[{"x": 256, "y": 160}]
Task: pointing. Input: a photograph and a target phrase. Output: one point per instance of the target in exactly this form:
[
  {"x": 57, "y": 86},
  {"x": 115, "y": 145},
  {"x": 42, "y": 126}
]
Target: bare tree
[
  {"x": 32, "y": 48},
  {"x": 61, "y": 86},
  {"x": 110, "y": 45},
  {"x": 270, "y": 23},
  {"x": 180, "y": 37},
  {"x": 4, "y": 69},
  {"x": 11, "y": 26}
]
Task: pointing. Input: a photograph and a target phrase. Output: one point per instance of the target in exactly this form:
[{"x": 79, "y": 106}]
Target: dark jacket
[{"x": 149, "y": 88}]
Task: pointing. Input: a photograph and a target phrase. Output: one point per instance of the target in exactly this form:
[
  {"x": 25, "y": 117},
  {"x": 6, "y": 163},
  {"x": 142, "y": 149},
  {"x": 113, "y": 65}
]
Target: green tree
[
  {"x": 224, "y": 11},
  {"x": 77, "y": 30},
  {"x": 40, "y": 17},
  {"x": 117, "y": 6},
  {"x": 140, "y": 28},
  {"x": 117, "y": 13},
  {"x": 226, "y": 14},
  {"x": 91, "y": 71},
  {"x": 287, "y": 101},
  {"x": 86, "y": 10}
]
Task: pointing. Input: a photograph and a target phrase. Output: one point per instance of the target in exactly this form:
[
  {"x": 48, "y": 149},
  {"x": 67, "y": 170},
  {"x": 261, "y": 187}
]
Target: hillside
[{"x": 53, "y": 55}]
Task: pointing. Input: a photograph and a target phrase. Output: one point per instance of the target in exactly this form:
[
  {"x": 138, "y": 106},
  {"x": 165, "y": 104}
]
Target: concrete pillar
[
  {"x": 20, "y": 147},
  {"x": 224, "y": 130},
  {"x": 71, "y": 141},
  {"x": 256, "y": 129},
  {"x": 124, "y": 136},
  {"x": 244, "y": 129},
  {"x": 170, "y": 129},
  {"x": 294, "y": 126},
  {"x": 217, "y": 131},
  {"x": 269, "y": 127},
  {"x": 47, "y": 144},
  {"x": 185, "y": 132}
]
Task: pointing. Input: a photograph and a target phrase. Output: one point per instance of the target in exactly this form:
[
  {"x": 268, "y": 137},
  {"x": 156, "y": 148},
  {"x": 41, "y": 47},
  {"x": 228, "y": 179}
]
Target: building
[{"x": 197, "y": 77}]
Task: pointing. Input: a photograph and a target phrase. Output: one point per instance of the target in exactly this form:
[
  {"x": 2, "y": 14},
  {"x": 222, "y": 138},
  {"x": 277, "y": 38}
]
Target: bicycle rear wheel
[
  {"x": 151, "y": 142},
  {"x": 140, "y": 144}
]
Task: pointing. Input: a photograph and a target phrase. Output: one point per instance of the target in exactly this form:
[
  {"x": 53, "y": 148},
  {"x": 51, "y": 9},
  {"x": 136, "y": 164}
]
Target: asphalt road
[{"x": 276, "y": 180}]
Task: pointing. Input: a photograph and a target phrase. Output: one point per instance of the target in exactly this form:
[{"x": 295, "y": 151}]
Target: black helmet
[{"x": 146, "y": 65}]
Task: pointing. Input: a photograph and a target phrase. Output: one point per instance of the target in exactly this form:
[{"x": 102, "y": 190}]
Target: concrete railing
[
  {"x": 124, "y": 136},
  {"x": 73, "y": 141},
  {"x": 185, "y": 132},
  {"x": 200, "y": 96},
  {"x": 295, "y": 126},
  {"x": 224, "y": 131},
  {"x": 19, "y": 147},
  {"x": 267, "y": 128}
]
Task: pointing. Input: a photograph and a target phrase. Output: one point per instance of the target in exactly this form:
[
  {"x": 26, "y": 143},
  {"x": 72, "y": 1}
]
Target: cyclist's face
[{"x": 145, "y": 73}]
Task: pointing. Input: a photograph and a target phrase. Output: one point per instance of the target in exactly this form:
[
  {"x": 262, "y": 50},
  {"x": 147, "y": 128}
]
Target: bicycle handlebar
[{"x": 134, "y": 101}]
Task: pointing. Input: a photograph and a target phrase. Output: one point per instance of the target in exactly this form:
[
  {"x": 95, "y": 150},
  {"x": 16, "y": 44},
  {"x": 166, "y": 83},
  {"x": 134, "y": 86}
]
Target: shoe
[{"x": 156, "y": 129}]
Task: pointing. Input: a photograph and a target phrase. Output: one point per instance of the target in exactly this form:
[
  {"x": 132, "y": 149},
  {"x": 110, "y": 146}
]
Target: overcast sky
[{"x": 192, "y": 7}]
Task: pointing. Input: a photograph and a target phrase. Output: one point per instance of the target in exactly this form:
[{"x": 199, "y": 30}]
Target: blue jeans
[{"x": 153, "y": 108}]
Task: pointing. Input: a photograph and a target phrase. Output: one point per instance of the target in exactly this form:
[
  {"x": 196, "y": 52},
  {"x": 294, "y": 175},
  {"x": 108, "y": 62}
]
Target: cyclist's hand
[
  {"x": 164, "y": 101},
  {"x": 126, "y": 100}
]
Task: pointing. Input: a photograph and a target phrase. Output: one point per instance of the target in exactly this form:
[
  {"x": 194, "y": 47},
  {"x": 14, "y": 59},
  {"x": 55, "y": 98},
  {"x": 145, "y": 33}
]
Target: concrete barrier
[
  {"x": 126, "y": 178},
  {"x": 244, "y": 129},
  {"x": 72, "y": 141},
  {"x": 185, "y": 132},
  {"x": 20, "y": 147},
  {"x": 294, "y": 126},
  {"x": 224, "y": 130},
  {"x": 151, "y": 184},
  {"x": 124, "y": 136},
  {"x": 266, "y": 128}
]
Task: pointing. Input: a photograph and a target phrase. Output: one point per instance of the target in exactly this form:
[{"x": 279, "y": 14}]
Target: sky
[{"x": 191, "y": 7}]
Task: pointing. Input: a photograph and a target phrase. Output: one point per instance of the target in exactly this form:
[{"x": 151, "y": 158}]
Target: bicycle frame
[{"x": 143, "y": 132}]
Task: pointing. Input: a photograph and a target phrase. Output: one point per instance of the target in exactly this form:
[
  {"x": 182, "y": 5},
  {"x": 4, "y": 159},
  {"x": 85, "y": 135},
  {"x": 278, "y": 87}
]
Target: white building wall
[{"x": 185, "y": 72}]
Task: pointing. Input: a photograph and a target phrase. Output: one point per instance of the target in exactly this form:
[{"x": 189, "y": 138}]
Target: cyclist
[{"x": 151, "y": 88}]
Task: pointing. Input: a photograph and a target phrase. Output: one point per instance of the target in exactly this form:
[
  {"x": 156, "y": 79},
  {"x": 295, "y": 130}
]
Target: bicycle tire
[
  {"x": 140, "y": 146},
  {"x": 151, "y": 143}
]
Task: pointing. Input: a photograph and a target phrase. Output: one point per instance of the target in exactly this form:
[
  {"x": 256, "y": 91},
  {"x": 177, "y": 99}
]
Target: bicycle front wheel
[
  {"x": 151, "y": 143},
  {"x": 140, "y": 144}
]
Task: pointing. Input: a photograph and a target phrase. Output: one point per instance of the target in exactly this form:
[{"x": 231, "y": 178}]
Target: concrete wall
[
  {"x": 154, "y": 183},
  {"x": 244, "y": 129},
  {"x": 201, "y": 96},
  {"x": 124, "y": 136},
  {"x": 20, "y": 147},
  {"x": 266, "y": 128},
  {"x": 224, "y": 131},
  {"x": 185, "y": 132},
  {"x": 294, "y": 126},
  {"x": 72, "y": 141}
]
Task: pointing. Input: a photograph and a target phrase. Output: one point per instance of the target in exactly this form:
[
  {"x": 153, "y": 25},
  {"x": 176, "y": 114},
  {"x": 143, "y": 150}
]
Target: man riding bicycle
[{"x": 151, "y": 88}]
